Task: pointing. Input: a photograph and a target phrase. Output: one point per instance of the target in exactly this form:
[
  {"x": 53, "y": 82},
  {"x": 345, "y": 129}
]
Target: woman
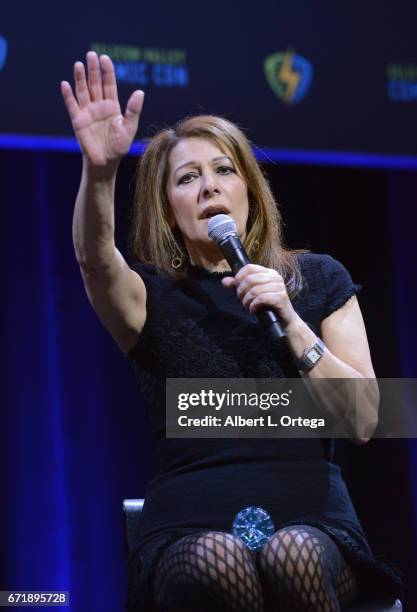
[{"x": 178, "y": 312}]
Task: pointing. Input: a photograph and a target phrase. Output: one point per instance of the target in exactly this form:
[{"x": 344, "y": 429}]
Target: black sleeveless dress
[{"x": 198, "y": 328}]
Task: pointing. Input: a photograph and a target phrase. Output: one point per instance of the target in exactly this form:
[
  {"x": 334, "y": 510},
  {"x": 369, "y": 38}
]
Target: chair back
[{"x": 132, "y": 509}]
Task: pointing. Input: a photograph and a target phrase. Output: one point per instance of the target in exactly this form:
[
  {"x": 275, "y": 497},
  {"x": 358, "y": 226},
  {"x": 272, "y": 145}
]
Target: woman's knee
[
  {"x": 203, "y": 566},
  {"x": 301, "y": 564},
  {"x": 214, "y": 553},
  {"x": 300, "y": 559}
]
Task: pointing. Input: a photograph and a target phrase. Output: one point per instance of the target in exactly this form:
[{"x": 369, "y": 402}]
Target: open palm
[{"x": 103, "y": 132}]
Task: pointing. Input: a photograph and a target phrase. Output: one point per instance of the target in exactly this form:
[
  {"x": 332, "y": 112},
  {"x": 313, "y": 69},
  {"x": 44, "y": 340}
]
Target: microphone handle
[{"x": 236, "y": 257}]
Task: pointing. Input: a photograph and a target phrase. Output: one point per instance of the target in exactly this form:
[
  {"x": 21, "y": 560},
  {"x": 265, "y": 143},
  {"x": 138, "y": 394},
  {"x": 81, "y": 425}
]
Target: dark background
[
  {"x": 349, "y": 45},
  {"x": 73, "y": 439}
]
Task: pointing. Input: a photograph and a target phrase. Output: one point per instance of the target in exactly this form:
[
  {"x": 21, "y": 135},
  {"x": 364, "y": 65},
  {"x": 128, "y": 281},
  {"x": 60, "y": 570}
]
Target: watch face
[{"x": 313, "y": 355}]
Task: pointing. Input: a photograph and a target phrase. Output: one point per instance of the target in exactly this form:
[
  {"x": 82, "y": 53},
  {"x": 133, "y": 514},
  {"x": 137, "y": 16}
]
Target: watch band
[{"x": 311, "y": 356}]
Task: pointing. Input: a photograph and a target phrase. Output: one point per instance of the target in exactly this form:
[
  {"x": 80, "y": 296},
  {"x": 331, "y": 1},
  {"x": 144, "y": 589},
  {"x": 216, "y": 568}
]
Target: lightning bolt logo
[{"x": 289, "y": 76}]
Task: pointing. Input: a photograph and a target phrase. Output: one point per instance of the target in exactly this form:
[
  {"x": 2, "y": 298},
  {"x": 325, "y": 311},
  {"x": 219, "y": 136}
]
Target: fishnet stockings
[
  {"x": 346, "y": 589},
  {"x": 304, "y": 570},
  {"x": 210, "y": 571},
  {"x": 299, "y": 569}
]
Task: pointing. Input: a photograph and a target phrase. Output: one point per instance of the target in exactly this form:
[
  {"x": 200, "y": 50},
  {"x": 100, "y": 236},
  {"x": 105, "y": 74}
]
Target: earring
[
  {"x": 176, "y": 262},
  {"x": 255, "y": 246}
]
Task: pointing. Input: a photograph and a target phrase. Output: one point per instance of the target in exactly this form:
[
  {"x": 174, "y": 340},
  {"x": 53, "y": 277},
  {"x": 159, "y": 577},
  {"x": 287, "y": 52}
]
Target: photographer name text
[{"x": 240, "y": 421}]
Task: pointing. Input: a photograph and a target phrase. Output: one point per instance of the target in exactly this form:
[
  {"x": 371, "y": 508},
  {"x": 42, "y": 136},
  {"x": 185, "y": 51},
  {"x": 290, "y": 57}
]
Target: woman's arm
[
  {"x": 346, "y": 354},
  {"x": 116, "y": 292}
]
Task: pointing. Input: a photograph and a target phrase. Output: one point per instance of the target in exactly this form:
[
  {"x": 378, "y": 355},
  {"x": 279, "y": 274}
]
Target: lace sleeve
[{"x": 337, "y": 283}]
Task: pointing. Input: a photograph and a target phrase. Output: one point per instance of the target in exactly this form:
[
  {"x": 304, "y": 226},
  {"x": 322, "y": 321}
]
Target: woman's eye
[
  {"x": 225, "y": 169},
  {"x": 186, "y": 178}
]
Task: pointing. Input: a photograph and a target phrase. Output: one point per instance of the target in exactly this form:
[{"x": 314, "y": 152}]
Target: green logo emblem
[{"x": 289, "y": 76}]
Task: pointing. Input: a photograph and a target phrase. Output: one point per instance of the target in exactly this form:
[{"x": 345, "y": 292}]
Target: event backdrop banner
[{"x": 333, "y": 76}]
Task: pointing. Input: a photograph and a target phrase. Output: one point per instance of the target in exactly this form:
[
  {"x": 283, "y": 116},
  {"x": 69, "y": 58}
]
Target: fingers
[
  {"x": 69, "y": 99},
  {"x": 134, "y": 108},
  {"x": 94, "y": 76},
  {"x": 260, "y": 290},
  {"x": 109, "y": 78},
  {"x": 255, "y": 283},
  {"x": 100, "y": 85},
  {"x": 228, "y": 281},
  {"x": 101, "y": 79},
  {"x": 250, "y": 276},
  {"x": 266, "y": 299},
  {"x": 250, "y": 269},
  {"x": 257, "y": 286},
  {"x": 81, "y": 88}
]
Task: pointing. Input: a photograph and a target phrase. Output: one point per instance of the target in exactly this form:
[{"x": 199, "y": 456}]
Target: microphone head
[{"x": 220, "y": 227}]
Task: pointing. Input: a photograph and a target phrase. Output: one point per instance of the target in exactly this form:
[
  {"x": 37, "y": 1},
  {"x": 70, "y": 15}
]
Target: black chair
[{"x": 132, "y": 509}]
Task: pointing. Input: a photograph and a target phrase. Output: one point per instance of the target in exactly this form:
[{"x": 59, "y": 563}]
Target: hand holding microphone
[{"x": 260, "y": 289}]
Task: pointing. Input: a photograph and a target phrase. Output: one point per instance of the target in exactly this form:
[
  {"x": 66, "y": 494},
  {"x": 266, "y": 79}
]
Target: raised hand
[{"x": 103, "y": 132}]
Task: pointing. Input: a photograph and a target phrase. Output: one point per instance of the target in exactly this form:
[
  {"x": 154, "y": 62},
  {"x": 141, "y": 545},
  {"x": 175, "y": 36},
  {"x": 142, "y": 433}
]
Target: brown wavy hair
[{"x": 152, "y": 240}]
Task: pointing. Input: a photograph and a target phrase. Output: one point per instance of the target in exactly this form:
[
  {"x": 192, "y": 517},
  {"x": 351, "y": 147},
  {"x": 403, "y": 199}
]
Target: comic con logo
[
  {"x": 3, "y": 51},
  {"x": 147, "y": 65},
  {"x": 289, "y": 76}
]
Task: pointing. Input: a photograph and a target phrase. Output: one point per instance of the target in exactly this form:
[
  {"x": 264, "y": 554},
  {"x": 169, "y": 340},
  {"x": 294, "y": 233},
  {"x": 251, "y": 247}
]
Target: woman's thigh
[
  {"x": 302, "y": 566},
  {"x": 208, "y": 571}
]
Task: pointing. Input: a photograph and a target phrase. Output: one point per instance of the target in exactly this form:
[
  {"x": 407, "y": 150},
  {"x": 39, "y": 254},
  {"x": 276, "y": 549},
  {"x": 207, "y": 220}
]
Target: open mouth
[{"x": 213, "y": 211}]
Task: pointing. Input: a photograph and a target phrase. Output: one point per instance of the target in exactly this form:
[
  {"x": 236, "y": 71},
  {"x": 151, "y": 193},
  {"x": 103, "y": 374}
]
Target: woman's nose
[{"x": 209, "y": 185}]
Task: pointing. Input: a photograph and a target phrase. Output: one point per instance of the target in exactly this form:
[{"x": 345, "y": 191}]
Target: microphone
[{"x": 222, "y": 229}]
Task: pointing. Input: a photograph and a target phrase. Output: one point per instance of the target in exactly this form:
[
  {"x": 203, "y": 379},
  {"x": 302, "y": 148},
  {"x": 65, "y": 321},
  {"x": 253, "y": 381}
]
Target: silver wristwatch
[{"x": 311, "y": 356}]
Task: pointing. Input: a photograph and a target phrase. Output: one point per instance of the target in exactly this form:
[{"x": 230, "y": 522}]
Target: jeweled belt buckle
[{"x": 254, "y": 526}]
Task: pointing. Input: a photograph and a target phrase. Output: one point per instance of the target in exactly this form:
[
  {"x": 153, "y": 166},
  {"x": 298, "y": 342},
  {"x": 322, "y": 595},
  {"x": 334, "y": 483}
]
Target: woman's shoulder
[
  {"x": 151, "y": 275},
  {"x": 327, "y": 277},
  {"x": 322, "y": 267},
  {"x": 318, "y": 263}
]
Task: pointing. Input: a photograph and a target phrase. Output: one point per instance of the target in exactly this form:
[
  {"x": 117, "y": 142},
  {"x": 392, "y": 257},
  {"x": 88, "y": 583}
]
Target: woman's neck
[
  {"x": 210, "y": 266},
  {"x": 211, "y": 260}
]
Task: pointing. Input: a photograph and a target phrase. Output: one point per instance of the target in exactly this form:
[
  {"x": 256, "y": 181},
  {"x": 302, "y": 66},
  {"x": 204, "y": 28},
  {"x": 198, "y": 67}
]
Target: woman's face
[{"x": 203, "y": 181}]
